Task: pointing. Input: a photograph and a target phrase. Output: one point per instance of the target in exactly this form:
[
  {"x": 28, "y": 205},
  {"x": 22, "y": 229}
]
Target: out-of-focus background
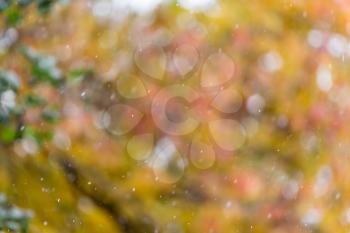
[{"x": 174, "y": 116}]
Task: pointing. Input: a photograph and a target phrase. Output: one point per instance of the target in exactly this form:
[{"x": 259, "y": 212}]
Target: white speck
[
  {"x": 323, "y": 180},
  {"x": 347, "y": 215},
  {"x": 315, "y": 38},
  {"x": 105, "y": 120},
  {"x": 29, "y": 145},
  {"x": 197, "y": 5},
  {"x": 337, "y": 45},
  {"x": 16, "y": 212},
  {"x": 139, "y": 7},
  {"x": 165, "y": 150},
  {"x": 272, "y": 61},
  {"x": 324, "y": 78},
  {"x": 255, "y": 104},
  {"x": 228, "y": 204},
  {"x": 164, "y": 158},
  {"x": 9, "y": 37},
  {"x": 291, "y": 189},
  {"x": 102, "y": 9},
  {"x": 8, "y": 99},
  {"x": 312, "y": 217},
  {"x": 62, "y": 140}
]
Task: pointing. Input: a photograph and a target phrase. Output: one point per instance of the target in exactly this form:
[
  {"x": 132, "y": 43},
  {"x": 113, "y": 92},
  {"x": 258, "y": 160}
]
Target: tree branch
[{"x": 125, "y": 209}]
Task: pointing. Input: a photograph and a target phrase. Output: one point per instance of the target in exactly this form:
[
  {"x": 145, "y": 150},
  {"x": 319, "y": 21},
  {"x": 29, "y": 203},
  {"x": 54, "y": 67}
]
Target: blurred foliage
[
  {"x": 12, "y": 219},
  {"x": 13, "y": 8},
  {"x": 60, "y": 66}
]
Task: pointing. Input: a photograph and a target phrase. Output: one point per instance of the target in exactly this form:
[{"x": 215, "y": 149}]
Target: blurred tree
[{"x": 62, "y": 158}]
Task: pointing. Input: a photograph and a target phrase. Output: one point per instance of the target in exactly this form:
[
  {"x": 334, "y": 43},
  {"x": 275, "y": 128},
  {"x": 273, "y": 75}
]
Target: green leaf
[
  {"x": 79, "y": 74},
  {"x": 38, "y": 136},
  {"x": 33, "y": 100},
  {"x": 44, "y": 5},
  {"x": 8, "y": 134},
  {"x": 42, "y": 136},
  {"x": 13, "y": 16},
  {"x": 44, "y": 68}
]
